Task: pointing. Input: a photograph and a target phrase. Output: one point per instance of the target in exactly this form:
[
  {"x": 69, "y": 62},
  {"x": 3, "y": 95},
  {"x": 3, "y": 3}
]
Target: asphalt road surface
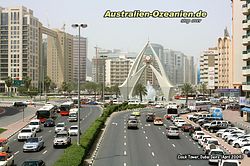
[
  {"x": 49, "y": 154},
  {"x": 147, "y": 146}
]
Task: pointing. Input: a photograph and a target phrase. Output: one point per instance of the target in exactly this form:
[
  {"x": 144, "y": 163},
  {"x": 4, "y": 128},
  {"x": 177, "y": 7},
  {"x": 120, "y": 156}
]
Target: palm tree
[
  {"x": 8, "y": 83},
  {"x": 47, "y": 83},
  {"x": 140, "y": 90},
  {"x": 203, "y": 88},
  {"x": 186, "y": 89},
  {"x": 115, "y": 89},
  {"x": 27, "y": 82}
]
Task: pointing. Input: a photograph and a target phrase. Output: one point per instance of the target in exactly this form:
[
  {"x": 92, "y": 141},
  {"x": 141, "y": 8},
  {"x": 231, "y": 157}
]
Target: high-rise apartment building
[
  {"x": 225, "y": 61},
  {"x": 209, "y": 68},
  {"x": 117, "y": 70},
  {"x": 60, "y": 58},
  {"x": 83, "y": 56},
  {"x": 19, "y": 44},
  {"x": 246, "y": 47}
]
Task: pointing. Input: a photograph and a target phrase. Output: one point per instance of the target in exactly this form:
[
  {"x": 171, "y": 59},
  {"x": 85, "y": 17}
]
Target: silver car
[{"x": 33, "y": 144}]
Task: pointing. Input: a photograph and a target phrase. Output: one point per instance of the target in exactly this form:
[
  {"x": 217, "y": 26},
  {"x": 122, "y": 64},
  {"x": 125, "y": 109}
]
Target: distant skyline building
[
  {"x": 19, "y": 43},
  {"x": 60, "y": 65},
  {"x": 209, "y": 68},
  {"x": 83, "y": 56}
]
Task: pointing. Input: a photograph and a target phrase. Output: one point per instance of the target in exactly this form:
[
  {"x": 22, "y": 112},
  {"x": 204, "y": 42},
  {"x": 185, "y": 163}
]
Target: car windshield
[
  {"x": 213, "y": 142},
  {"x": 30, "y": 163},
  {"x": 73, "y": 128},
  {"x": 2, "y": 158},
  {"x": 173, "y": 128},
  {"x": 60, "y": 125},
  {"x": 229, "y": 164},
  {"x": 217, "y": 153},
  {"x": 200, "y": 134},
  {"x": 132, "y": 121},
  {"x": 61, "y": 135},
  {"x": 34, "y": 123},
  {"x": 30, "y": 140},
  {"x": 49, "y": 121},
  {"x": 72, "y": 115},
  {"x": 26, "y": 131}
]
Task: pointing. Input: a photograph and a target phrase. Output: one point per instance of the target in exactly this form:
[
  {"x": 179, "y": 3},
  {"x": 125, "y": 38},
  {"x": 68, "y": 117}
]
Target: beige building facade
[
  {"x": 19, "y": 43},
  {"x": 60, "y": 65},
  {"x": 225, "y": 61}
]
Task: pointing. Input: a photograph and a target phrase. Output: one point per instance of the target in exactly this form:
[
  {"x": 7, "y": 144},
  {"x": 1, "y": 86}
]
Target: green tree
[
  {"x": 47, "y": 83},
  {"x": 203, "y": 88},
  {"x": 8, "y": 83},
  {"x": 140, "y": 90},
  {"x": 53, "y": 86},
  {"x": 65, "y": 86},
  {"x": 27, "y": 82},
  {"x": 187, "y": 89},
  {"x": 32, "y": 92},
  {"x": 115, "y": 89}
]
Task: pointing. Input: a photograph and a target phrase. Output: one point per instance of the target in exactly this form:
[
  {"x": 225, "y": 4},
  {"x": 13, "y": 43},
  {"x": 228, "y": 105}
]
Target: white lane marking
[
  {"x": 124, "y": 127},
  {"x": 165, "y": 125},
  {"x": 163, "y": 133},
  {"x": 190, "y": 140},
  {"x": 45, "y": 152},
  {"x": 159, "y": 128},
  {"x": 125, "y": 153},
  {"x": 124, "y": 143},
  {"x": 173, "y": 145},
  {"x": 124, "y": 131},
  {"x": 144, "y": 132},
  {"x": 86, "y": 116},
  {"x": 15, "y": 139},
  {"x": 124, "y": 164},
  {"x": 157, "y": 165},
  {"x": 146, "y": 137},
  {"x": 186, "y": 136},
  {"x": 124, "y": 136},
  {"x": 142, "y": 127},
  {"x": 153, "y": 154},
  {"x": 83, "y": 119},
  {"x": 199, "y": 147},
  {"x": 114, "y": 123},
  {"x": 16, "y": 153},
  {"x": 149, "y": 144},
  {"x": 50, "y": 131},
  {"x": 194, "y": 143}
]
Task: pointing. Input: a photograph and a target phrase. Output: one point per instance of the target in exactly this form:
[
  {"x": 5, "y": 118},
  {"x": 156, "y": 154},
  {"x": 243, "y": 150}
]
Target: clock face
[{"x": 148, "y": 58}]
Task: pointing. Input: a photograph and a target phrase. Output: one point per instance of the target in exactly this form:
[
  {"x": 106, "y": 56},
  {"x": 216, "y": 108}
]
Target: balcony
[
  {"x": 246, "y": 70},
  {"x": 245, "y": 9},
  {"x": 246, "y": 24},
  {"x": 245, "y": 55},
  {"x": 245, "y": 40},
  {"x": 246, "y": 86}
]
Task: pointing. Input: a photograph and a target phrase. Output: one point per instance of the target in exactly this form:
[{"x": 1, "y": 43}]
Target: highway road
[
  {"x": 147, "y": 146},
  {"x": 49, "y": 154}
]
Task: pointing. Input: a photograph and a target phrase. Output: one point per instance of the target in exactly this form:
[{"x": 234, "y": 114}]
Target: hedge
[{"x": 75, "y": 155}]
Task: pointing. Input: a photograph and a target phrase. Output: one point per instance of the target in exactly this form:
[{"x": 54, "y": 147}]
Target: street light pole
[{"x": 79, "y": 104}]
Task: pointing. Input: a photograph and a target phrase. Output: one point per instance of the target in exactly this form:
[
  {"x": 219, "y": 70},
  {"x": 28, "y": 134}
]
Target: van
[{"x": 73, "y": 117}]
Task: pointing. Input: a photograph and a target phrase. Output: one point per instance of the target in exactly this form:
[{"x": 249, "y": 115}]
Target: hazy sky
[{"x": 132, "y": 34}]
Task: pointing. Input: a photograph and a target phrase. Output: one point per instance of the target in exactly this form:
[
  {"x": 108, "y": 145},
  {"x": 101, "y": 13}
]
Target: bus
[
  {"x": 199, "y": 105},
  {"x": 46, "y": 112},
  {"x": 65, "y": 107},
  {"x": 172, "y": 110}
]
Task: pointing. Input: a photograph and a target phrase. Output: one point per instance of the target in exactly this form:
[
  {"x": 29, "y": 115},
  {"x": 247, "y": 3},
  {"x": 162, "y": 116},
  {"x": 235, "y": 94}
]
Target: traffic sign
[{"x": 17, "y": 83}]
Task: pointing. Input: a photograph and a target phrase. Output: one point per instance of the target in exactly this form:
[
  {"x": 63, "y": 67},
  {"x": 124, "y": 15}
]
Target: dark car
[
  {"x": 150, "y": 117},
  {"x": 19, "y": 104},
  {"x": 49, "y": 123},
  {"x": 186, "y": 127},
  {"x": 92, "y": 103},
  {"x": 193, "y": 129},
  {"x": 34, "y": 163}
]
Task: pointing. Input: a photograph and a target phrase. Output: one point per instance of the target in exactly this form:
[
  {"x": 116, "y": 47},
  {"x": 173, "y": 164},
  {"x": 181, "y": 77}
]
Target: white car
[
  {"x": 35, "y": 123},
  {"x": 215, "y": 155},
  {"x": 179, "y": 123},
  {"x": 26, "y": 133},
  {"x": 208, "y": 142},
  {"x": 245, "y": 149},
  {"x": 73, "y": 130},
  {"x": 241, "y": 142},
  {"x": 6, "y": 159},
  {"x": 60, "y": 127},
  {"x": 236, "y": 137},
  {"x": 225, "y": 135},
  {"x": 229, "y": 162},
  {"x": 62, "y": 138},
  {"x": 202, "y": 139},
  {"x": 221, "y": 131},
  {"x": 197, "y": 134}
]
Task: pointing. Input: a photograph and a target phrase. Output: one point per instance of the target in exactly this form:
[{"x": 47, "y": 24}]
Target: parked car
[
  {"x": 19, "y": 104},
  {"x": 221, "y": 131},
  {"x": 62, "y": 138},
  {"x": 209, "y": 147},
  {"x": 4, "y": 145},
  {"x": 49, "y": 123},
  {"x": 33, "y": 144},
  {"x": 229, "y": 163},
  {"x": 193, "y": 129},
  {"x": 6, "y": 159},
  {"x": 238, "y": 143},
  {"x": 26, "y": 133},
  {"x": 172, "y": 131},
  {"x": 34, "y": 163},
  {"x": 245, "y": 149}
]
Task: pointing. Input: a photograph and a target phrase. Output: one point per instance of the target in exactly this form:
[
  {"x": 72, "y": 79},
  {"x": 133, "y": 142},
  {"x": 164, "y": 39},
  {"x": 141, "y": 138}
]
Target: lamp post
[{"x": 79, "y": 26}]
